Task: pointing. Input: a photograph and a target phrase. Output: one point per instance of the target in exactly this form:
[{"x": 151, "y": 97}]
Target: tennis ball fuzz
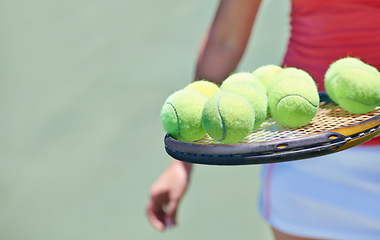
[
  {"x": 255, "y": 96},
  {"x": 181, "y": 115},
  {"x": 228, "y": 117},
  {"x": 244, "y": 77},
  {"x": 341, "y": 64},
  {"x": 357, "y": 89},
  {"x": 293, "y": 98},
  {"x": 266, "y": 73},
  {"x": 206, "y": 87},
  {"x": 291, "y": 72},
  {"x": 334, "y": 69}
]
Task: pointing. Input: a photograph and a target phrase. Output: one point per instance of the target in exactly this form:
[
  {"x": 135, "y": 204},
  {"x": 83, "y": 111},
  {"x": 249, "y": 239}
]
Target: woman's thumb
[{"x": 171, "y": 214}]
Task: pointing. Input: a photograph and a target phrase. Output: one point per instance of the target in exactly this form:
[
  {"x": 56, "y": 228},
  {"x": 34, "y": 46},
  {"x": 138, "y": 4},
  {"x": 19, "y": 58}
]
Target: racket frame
[{"x": 292, "y": 148}]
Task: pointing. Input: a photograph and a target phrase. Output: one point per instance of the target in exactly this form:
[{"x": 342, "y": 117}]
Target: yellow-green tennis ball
[
  {"x": 228, "y": 117},
  {"x": 357, "y": 89},
  {"x": 206, "y": 87},
  {"x": 334, "y": 69},
  {"x": 245, "y": 77},
  {"x": 293, "y": 100},
  {"x": 266, "y": 73},
  {"x": 341, "y": 64},
  {"x": 255, "y": 96},
  {"x": 181, "y": 115},
  {"x": 291, "y": 72}
]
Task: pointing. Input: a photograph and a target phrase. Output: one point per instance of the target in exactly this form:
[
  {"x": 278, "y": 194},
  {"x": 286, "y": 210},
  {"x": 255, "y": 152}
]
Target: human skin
[{"x": 220, "y": 53}]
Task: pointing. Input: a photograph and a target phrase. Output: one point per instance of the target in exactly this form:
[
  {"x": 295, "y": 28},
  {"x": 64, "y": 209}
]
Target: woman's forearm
[{"x": 226, "y": 40}]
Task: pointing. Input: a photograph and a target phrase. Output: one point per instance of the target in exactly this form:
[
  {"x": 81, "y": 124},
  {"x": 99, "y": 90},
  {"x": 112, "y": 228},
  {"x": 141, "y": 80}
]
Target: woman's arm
[
  {"x": 220, "y": 53},
  {"x": 226, "y": 39},
  {"x": 166, "y": 194}
]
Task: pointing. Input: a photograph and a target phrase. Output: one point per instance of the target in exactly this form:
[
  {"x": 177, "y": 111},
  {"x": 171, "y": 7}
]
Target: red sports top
[{"x": 323, "y": 31}]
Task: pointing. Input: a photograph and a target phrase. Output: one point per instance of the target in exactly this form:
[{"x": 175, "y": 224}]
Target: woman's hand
[
  {"x": 220, "y": 53},
  {"x": 166, "y": 194}
]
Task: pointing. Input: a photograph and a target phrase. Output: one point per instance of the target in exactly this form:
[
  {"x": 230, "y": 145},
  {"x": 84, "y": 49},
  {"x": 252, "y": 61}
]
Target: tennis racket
[{"x": 331, "y": 130}]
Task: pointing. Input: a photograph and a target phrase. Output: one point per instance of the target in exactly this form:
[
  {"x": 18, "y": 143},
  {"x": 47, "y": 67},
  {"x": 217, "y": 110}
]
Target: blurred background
[{"x": 81, "y": 88}]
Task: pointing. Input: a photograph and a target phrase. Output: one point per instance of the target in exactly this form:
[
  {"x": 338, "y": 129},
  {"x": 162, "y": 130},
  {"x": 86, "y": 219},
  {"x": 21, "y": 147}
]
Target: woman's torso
[{"x": 323, "y": 31}]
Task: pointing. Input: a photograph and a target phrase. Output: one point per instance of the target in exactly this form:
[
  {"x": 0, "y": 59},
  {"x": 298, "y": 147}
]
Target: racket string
[{"x": 330, "y": 116}]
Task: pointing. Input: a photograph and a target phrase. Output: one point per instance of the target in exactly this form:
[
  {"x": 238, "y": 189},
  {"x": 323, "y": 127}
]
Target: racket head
[{"x": 331, "y": 130}]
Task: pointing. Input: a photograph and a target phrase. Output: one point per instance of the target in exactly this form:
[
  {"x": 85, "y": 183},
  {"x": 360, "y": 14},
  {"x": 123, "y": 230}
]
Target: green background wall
[{"x": 81, "y": 87}]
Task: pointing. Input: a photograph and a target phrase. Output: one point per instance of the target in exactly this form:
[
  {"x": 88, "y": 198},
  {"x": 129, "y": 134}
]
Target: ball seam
[
  {"x": 293, "y": 95},
  {"x": 176, "y": 114},
  {"x": 220, "y": 115},
  {"x": 355, "y": 100}
]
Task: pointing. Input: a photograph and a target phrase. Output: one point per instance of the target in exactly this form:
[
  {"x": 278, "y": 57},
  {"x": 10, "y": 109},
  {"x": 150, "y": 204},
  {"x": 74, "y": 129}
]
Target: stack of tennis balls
[
  {"x": 232, "y": 114},
  {"x": 293, "y": 97},
  {"x": 182, "y": 111},
  {"x": 266, "y": 73},
  {"x": 353, "y": 85},
  {"x": 228, "y": 117},
  {"x": 205, "y": 87},
  {"x": 254, "y": 91},
  {"x": 244, "y": 77},
  {"x": 229, "y": 113}
]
